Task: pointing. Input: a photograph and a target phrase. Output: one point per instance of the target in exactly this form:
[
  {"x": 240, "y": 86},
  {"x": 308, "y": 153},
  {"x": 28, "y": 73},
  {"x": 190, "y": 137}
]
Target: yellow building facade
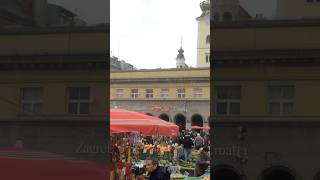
[
  {"x": 264, "y": 99},
  {"x": 53, "y": 89},
  {"x": 203, "y": 44},
  {"x": 181, "y": 96},
  {"x": 53, "y": 61}
]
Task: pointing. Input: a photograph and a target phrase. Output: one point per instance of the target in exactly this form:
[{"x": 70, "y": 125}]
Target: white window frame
[
  {"x": 78, "y": 102},
  {"x": 181, "y": 95},
  {"x": 119, "y": 95},
  {"x": 134, "y": 95},
  {"x": 149, "y": 95},
  {"x": 164, "y": 95},
  {"x": 281, "y": 100},
  {"x": 196, "y": 94},
  {"x": 228, "y": 102},
  {"x": 33, "y": 102}
]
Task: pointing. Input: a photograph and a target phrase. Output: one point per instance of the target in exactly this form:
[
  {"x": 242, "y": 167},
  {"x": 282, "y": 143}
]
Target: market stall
[
  {"x": 135, "y": 137},
  {"x": 18, "y": 163},
  {"x": 205, "y": 128},
  {"x": 129, "y": 121}
]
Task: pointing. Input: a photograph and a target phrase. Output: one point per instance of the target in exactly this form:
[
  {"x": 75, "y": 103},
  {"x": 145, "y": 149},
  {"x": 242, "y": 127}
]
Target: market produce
[
  {"x": 187, "y": 164},
  {"x": 195, "y": 154},
  {"x": 177, "y": 176},
  {"x": 206, "y": 178}
]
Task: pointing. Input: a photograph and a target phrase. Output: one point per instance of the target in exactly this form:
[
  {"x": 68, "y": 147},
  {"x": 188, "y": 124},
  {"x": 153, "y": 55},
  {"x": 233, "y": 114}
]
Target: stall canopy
[
  {"x": 19, "y": 163},
  {"x": 200, "y": 127},
  {"x": 128, "y": 121}
]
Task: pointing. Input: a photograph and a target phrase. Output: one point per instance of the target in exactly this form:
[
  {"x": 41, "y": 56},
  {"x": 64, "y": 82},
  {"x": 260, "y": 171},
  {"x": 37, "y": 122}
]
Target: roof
[
  {"x": 15, "y": 17},
  {"x": 51, "y": 30},
  {"x": 169, "y": 69},
  {"x": 62, "y": 9},
  {"x": 267, "y": 56},
  {"x": 267, "y": 23},
  {"x": 244, "y": 10}
]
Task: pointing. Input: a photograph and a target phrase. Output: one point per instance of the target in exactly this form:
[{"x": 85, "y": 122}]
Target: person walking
[
  {"x": 187, "y": 147},
  {"x": 199, "y": 141}
]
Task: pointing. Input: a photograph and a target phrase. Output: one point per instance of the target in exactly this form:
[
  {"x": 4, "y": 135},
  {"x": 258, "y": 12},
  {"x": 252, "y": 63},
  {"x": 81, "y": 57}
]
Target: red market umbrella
[
  {"x": 24, "y": 163},
  {"x": 129, "y": 121},
  {"x": 200, "y": 127}
]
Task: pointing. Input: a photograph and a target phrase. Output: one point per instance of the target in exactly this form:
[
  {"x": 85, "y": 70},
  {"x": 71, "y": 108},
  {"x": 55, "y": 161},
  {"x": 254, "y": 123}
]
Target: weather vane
[{"x": 181, "y": 41}]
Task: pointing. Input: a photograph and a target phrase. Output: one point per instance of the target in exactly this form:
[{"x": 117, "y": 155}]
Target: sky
[
  {"x": 266, "y": 7},
  {"x": 147, "y": 33}
]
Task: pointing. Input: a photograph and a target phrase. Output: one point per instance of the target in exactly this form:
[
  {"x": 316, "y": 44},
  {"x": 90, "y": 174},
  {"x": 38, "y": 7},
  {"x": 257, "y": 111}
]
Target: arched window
[
  {"x": 180, "y": 120},
  {"x": 208, "y": 39},
  {"x": 227, "y": 16},
  {"x": 197, "y": 120},
  {"x": 277, "y": 172},
  {"x": 226, "y": 172},
  {"x": 164, "y": 117}
]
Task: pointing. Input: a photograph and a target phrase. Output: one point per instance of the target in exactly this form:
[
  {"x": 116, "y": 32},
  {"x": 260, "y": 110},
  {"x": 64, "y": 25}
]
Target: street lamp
[{"x": 242, "y": 159}]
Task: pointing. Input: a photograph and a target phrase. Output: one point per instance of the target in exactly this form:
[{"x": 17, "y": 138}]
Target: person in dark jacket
[
  {"x": 156, "y": 172},
  {"x": 187, "y": 147}
]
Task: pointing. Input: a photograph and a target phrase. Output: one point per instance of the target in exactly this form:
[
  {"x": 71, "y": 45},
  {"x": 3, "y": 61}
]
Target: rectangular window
[
  {"x": 31, "y": 100},
  {"x": 149, "y": 93},
  {"x": 228, "y": 100},
  {"x": 197, "y": 93},
  {"x": 164, "y": 93},
  {"x": 119, "y": 93},
  {"x": 181, "y": 93},
  {"x": 207, "y": 58},
  {"x": 281, "y": 100},
  {"x": 78, "y": 100},
  {"x": 134, "y": 93}
]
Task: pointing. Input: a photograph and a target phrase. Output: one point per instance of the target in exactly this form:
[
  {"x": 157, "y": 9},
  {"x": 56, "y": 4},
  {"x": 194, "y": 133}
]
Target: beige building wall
[
  {"x": 164, "y": 73},
  {"x": 54, "y": 84},
  {"x": 203, "y": 46},
  {"x": 158, "y": 75},
  {"x": 283, "y": 37},
  {"x": 255, "y": 82},
  {"x": 60, "y": 43},
  {"x": 189, "y": 107}
]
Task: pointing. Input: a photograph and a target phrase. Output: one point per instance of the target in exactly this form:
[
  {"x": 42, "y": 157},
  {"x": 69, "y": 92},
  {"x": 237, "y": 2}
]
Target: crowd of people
[{"x": 186, "y": 143}]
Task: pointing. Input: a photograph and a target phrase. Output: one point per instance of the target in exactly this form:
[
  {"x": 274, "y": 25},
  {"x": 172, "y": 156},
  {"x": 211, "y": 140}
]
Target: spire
[
  {"x": 180, "y": 60},
  {"x": 180, "y": 55}
]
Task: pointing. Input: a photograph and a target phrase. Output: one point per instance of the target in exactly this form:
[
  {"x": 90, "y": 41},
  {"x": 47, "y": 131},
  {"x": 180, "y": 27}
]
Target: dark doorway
[
  {"x": 164, "y": 117},
  {"x": 180, "y": 120},
  {"x": 225, "y": 173},
  {"x": 196, "y": 120},
  {"x": 277, "y": 173}
]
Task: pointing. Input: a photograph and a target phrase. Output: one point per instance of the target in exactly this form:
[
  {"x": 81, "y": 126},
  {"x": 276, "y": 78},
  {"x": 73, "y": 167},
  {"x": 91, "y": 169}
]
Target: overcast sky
[
  {"x": 266, "y": 7},
  {"x": 146, "y": 33}
]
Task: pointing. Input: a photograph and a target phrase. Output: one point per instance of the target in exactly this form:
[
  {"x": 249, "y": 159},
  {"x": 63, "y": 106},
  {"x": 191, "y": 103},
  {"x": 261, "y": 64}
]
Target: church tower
[
  {"x": 203, "y": 44},
  {"x": 180, "y": 60}
]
